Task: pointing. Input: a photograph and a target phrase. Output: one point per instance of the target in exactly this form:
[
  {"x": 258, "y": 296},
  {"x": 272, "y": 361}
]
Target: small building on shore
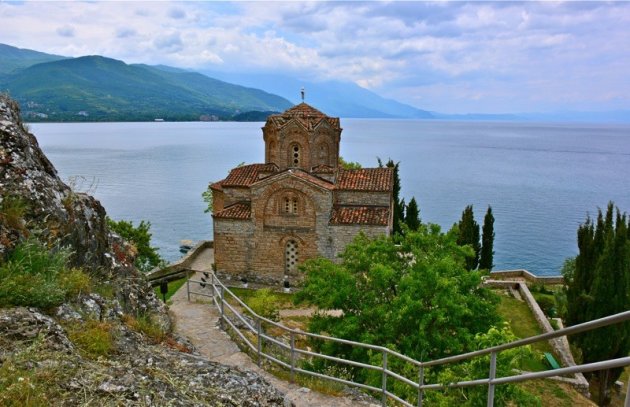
[{"x": 299, "y": 204}]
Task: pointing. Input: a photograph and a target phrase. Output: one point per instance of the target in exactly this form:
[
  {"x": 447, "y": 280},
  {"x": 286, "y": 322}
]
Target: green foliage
[
  {"x": 94, "y": 338},
  {"x": 265, "y": 304},
  {"x": 208, "y": 199},
  {"x": 486, "y": 256},
  {"x": 469, "y": 235},
  {"x": 547, "y": 303},
  {"x": 399, "y": 206},
  {"x": 12, "y": 211},
  {"x": 412, "y": 216},
  {"x": 34, "y": 276},
  {"x": 349, "y": 165},
  {"x": 140, "y": 237},
  {"x": 412, "y": 296},
  {"x": 505, "y": 395},
  {"x": 598, "y": 285}
]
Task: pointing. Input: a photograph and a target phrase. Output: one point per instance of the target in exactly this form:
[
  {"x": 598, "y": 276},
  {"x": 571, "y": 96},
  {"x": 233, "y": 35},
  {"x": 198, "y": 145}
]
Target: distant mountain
[
  {"x": 335, "y": 98},
  {"x": 96, "y": 88},
  {"x": 12, "y": 58}
]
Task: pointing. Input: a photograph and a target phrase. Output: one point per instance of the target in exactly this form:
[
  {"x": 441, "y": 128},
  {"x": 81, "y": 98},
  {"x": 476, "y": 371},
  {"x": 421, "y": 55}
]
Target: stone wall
[
  {"x": 525, "y": 275},
  {"x": 232, "y": 245},
  {"x": 233, "y": 195},
  {"x": 362, "y": 198},
  {"x": 342, "y": 235}
]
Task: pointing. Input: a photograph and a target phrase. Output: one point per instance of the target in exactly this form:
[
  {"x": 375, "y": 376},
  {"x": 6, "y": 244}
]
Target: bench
[{"x": 551, "y": 361}]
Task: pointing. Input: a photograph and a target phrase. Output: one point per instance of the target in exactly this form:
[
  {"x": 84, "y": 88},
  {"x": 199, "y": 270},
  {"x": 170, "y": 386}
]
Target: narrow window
[
  {"x": 294, "y": 206},
  {"x": 287, "y": 205},
  {"x": 296, "y": 155},
  {"x": 290, "y": 257}
]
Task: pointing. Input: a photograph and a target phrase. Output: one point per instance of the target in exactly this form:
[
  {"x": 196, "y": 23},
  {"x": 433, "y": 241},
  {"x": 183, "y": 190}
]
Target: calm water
[{"x": 541, "y": 179}]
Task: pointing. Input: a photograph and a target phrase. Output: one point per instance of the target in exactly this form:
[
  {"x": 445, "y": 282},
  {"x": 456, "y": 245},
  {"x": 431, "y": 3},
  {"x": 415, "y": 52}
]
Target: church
[{"x": 297, "y": 205}]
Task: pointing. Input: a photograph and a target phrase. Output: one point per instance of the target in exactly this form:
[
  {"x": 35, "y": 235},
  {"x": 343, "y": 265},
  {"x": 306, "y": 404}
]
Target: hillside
[
  {"x": 12, "y": 58},
  {"x": 336, "y": 98},
  {"x": 95, "y": 88}
]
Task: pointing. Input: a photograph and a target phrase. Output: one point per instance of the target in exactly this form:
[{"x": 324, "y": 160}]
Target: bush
[
  {"x": 140, "y": 237},
  {"x": 265, "y": 304},
  {"x": 546, "y": 303},
  {"x": 34, "y": 276}
]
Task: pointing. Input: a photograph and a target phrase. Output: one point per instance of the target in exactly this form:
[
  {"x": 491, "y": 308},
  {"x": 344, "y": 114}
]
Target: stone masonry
[{"x": 268, "y": 218}]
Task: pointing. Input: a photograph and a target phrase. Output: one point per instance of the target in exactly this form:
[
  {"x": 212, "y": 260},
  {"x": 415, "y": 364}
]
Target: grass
[
  {"x": 555, "y": 394},
  {"x": 93, "y": 338},
  {"x": 284, "y": 300},
  {"x": 148, "y": 326},
  {"x": 524, "y": 325},
  {"x": 173, "y": 286}
]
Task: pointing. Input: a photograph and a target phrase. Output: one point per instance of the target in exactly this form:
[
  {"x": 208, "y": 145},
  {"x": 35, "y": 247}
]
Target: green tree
[
  {"x": 412, "y": 216},
  {"x": 140, "y": 236},
  {"x": 399, "y": 209},
  {"x": 410, "y": 294},
  {"x": 208, "y": 198},
  {"x": 487, "y": 242},
  {"x": 469, "y": 235},
  {"x": 349, "y": 165},
  {"x": 598, "y": 286}
]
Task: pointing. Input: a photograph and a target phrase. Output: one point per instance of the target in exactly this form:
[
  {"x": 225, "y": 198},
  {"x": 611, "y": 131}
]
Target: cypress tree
[
  {"x": 600, "y": 287},
  {"x": 487, "y": 242},
  {"x": 412, "y": 217},
  {"x": 469, "y": 235},
  {"x": 398, "y": 203}
]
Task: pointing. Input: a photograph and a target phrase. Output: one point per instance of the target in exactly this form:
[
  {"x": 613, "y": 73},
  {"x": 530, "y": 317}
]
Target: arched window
[
  {"x": 294, "y": 206},
  {"x": 290, "y": 257},
  {"x": 295, "y": 155}
]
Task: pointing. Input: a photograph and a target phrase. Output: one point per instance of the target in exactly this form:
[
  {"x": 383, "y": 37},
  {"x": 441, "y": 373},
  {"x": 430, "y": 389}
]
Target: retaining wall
[{"x": 174, "y": 270}]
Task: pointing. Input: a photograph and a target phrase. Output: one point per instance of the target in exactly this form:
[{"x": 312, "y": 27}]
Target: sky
[{"x": 451, "y": 57}]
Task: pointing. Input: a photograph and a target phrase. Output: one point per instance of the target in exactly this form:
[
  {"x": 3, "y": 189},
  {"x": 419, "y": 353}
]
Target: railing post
[
  {"x": 384, "y": 383},
  {"x": 493, "y": 372},
  {"x": 212, "y": 284},
  {"x": 292, "y": 356},
  {"x": 420, "y": 384},
  {"x": 221, "y": 306},
  {"x": 188, "y": 288},
  {"x": 259, "y": 331},
  {"x": 627, "y": 403}
]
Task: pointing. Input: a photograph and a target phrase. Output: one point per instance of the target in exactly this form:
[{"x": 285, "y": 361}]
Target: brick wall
[{"x": 362, "y": 198}]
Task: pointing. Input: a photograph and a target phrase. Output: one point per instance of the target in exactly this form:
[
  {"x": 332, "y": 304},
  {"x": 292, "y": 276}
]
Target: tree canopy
[
  {"x": 469, "y": 235},
  {"x": 140, "y": 236},
  {"x": 486, "y": 256},
  {"x": 598, "y": 285},
  {"x": 412, "y": 215}
]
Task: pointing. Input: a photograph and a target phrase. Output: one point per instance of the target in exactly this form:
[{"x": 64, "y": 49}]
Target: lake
[{"x": 541, "y": 179}]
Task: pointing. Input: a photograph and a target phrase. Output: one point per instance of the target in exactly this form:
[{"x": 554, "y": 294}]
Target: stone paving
[{"x": 198, "y": 320}]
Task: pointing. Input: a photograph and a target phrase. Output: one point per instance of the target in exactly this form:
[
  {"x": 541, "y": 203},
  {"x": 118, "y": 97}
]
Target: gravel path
[{"x": 199, "y": 322}]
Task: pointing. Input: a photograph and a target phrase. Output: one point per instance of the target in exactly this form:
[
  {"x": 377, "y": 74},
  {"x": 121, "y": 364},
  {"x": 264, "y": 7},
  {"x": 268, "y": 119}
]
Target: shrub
[
  {"x": 140, "y": 236},
  {"x": 546, "y": 303},
  {"x": 34, "y": 276},
  {"x": 265, "y": 304}
]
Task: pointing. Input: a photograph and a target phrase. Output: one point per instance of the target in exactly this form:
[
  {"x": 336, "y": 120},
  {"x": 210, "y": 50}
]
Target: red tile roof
[
  {"x": 360, "y": 215},
  {"x": 246, "y": 175},
  {"x": 239, "y": 210},
  {"x": 305, "y": 114},
  {"x": 366, "y": 179}
]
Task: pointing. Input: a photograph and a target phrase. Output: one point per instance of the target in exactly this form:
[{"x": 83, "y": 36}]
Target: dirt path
[{"x": 199, "y": 322}]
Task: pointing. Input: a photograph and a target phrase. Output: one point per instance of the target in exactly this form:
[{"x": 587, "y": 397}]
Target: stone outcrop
[{"x": 38, "y": 345}]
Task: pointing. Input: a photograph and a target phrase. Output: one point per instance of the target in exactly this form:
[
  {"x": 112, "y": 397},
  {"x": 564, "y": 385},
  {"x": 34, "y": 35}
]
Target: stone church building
[{"x": 268, "y": 218}]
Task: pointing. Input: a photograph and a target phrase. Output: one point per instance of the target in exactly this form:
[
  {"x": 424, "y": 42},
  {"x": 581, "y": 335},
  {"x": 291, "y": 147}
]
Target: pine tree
[
  {"x": 412, "y": 217},
  {"x": 600, "y": 286},
  {"x": 469, "y": 235},
  {"x": 487, "y": 242}
]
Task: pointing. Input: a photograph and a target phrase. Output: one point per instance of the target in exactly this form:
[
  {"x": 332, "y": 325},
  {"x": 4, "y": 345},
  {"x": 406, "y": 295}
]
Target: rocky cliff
[{"x": 108, "y": 344}]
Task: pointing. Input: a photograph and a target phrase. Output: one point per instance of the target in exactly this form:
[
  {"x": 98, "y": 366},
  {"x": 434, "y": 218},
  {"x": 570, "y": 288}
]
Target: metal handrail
[{"x": 219, "y": 290}]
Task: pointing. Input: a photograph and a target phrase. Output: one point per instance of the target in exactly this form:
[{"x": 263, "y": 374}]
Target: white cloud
[{"x": 472, "y": 54}]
